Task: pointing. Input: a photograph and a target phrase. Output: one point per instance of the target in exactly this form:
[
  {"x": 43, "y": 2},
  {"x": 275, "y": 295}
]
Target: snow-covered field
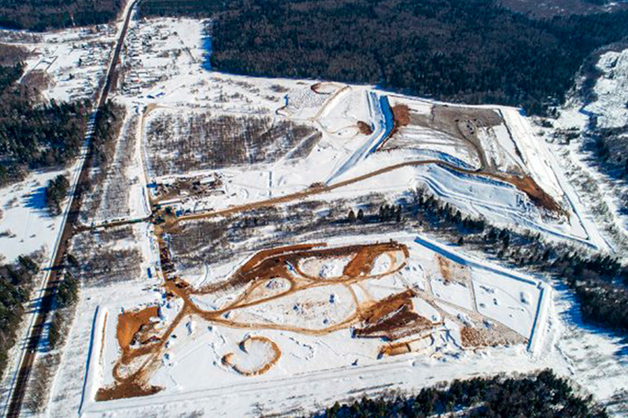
[
  {"x": 26, "y": 225},
  {"x": 303, "y": 349},
  {"x": 602, "y": 195},
  {"x": 191, "y": 367},
  {"x": 611, "y": 90},
  {"x": 343, "y": 152}
]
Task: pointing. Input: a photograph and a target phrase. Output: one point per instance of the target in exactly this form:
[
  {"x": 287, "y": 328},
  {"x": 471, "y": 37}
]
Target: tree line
[
  {"x": 56, "y": 191},
  {"x": 41, "y": 15},
  {"x": 473, "y": 51},
  {"x": 539, "y": 395},
  {"x": 599, "y": 282}
]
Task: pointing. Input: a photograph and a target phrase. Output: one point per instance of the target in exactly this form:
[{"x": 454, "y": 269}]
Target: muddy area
[
  {"x": 531, "y": 188},
  {"x": 401, "y": 115},
  {"x": 463, "y": 124},
  {"x": 126, "y": 389},
  {"x": 263, "y": 282},
  {"x": 404, "y": 347},
  {"x": 393, "y": 318},
  {"x": 132, "y": 334},
  {"x": 130, "y": 324},
  {"x": 478, "y": 337},
  {"x": 188, "y": 187},
  {"x": 142, "y": 345},
  {"x": 248, "y": 346},
  {"x": 401, "y": 118}
]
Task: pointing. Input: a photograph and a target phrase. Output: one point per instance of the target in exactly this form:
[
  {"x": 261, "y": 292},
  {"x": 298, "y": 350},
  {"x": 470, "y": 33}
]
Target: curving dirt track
[
  {"x": 245, "y": 346},
  {"x": 142, "y": 343},
  {"x": 526, "y": 185}
]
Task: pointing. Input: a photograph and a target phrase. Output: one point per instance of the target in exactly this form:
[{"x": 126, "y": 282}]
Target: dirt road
[
  {"x": 526, "y": 185},
  {"x": 51, "y": 280}
]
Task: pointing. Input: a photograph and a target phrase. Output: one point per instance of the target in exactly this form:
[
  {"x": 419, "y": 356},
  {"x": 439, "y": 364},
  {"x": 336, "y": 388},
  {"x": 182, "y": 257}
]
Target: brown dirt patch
[
  {"x": 364, "y": 128},
  {"x": 395, "y": 349},
  {"x": 444, "y": 265},
  {"x": 404, "y": 347},
  {"x": 130, "y": 324},
  {"x": 452, "y": 272},
  {"x": 401, "y": 115},
  {"x": 126, "y": 389},
  {"x": 393, "y": 318},
  {"x": 245, "y": 345},
  {"x": 482, "y": 337},
  {"x": 535, "y": 192},
  {"x": 278, "y": 263}
]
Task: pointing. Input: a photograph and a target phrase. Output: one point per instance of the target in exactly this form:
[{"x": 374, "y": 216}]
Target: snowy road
[{"x": 382, "y": 119}]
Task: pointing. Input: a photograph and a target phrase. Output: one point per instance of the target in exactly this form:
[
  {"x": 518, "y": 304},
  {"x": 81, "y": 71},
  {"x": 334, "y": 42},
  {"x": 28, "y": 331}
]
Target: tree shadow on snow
[
  {"x": 573, "y": 316},
  {"x": 37, "y": 200}
]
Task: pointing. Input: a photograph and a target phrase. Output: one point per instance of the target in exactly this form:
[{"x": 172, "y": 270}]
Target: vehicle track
[
  {"x": 527, "y": 186},
  {"x": 266, "y": 265}
]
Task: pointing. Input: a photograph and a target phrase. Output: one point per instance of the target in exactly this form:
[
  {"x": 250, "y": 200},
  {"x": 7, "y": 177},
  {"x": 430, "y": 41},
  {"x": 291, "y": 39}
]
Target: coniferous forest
[
  {"x": 40, "y": 15},
  {"x": 34, "y": 135},
  {"x": 540, "y": 395},
  {"x": 473, "y": 51},
  {"x": 16, "y": 281}
]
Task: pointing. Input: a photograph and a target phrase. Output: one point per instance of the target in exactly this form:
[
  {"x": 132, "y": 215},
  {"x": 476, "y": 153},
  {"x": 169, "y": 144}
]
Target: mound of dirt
[
  {"x": 393, "y": 318},
  {"x": 364, "y": 128}
]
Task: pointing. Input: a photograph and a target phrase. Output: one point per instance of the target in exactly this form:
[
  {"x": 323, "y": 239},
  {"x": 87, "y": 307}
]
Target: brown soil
[
  {"x": 134, "y": 328},
  {"x": 268, "y": 264},
  {"x": 397, "y": 349},
  {"x": 530, "y": 187},
  {"x": 364, "y": 128},
  {"x": 481, "y": 337},
  {"x": 444, "y": 265},
  {"x": 401, "y": 115},
  {"x": 393, "y": 318},
  {"x": 452, "y": 272},
  {"x": 228, "y": 359},
  {"x": 324, "y": 87},
  {"x": 130, "y": 324},
  {"x": 126, "y": 389},
  {"x": 526, "y": 185}
]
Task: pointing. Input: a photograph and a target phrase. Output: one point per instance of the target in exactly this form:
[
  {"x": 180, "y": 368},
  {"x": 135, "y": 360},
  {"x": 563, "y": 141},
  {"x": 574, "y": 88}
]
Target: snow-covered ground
[
  {"x": 611, "y": 90},
  {"x": 26, "y": 225},
  {"x": 597, "y": 195},
  {"x": 195, "y": 379},
  {"x": 73, "y": 61},
  {"x": 343, "y": 152},
  {"x": 192, "y": 369},
  {"x": 165, "y": 76}
]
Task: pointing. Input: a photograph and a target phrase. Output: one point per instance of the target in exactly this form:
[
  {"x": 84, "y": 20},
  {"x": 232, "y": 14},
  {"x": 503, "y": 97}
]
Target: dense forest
[
  {"x": 541, "y": 395},
  {"x": 40, "y": 15},
  {"x": 15, "y": 284},
  {"x": 35, "y": 135},
  {"x": 474, "y": 51},
  {"x": 553, "y": 8}
]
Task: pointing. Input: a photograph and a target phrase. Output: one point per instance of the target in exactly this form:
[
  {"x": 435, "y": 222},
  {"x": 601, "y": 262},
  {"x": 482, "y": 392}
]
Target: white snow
[
  {"x": 166, "y": 59},
  {"x": 26, "y": 225}
]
